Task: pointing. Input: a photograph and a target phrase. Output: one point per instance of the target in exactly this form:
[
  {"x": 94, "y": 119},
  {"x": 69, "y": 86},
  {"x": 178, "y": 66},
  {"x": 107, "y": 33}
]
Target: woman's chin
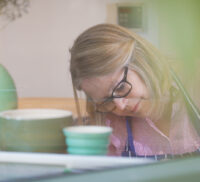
[{"x": 132, "y": 114}]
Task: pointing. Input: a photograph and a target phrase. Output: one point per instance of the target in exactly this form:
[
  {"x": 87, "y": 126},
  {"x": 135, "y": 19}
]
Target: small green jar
[
  {"x": 87, "y": 140},
  {"x": 8, "y": 93}
]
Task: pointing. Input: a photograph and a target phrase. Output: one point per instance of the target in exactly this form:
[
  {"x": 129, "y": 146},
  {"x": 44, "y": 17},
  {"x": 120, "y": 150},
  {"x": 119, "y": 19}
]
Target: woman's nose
[{"x": 120, "y": 103}]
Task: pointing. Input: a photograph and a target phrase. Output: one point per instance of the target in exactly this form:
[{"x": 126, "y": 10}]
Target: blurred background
[{"x": 34, "y": 40}]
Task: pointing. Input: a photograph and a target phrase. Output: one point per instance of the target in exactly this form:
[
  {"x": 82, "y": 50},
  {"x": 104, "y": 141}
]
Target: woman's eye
[{"x": 120, "y": 87}]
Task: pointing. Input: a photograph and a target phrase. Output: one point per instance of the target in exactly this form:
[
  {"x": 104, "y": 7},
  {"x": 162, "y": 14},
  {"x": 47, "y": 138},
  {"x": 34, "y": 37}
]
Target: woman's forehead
[{"x": 101, "y": 86}]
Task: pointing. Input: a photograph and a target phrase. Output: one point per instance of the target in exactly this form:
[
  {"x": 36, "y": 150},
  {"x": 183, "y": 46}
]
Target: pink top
[{"x": 149, "y": 140}]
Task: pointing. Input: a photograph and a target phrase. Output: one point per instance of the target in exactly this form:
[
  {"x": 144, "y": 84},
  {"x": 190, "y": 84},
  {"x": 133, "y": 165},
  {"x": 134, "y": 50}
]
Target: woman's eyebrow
[
  {"x": 116, "y": 82},
  {"x": 113, "y": 84}
]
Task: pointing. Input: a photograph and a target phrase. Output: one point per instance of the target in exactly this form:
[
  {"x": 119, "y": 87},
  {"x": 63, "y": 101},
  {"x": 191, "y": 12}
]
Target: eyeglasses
[{"x": 122, "y": 89}]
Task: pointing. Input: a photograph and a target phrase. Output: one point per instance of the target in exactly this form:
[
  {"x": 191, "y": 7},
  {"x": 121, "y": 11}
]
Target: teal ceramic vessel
[
  {"x": 87, "y": 140},
  {"x": 34, "y": 130},
  {"x": 8, "y": 93}
]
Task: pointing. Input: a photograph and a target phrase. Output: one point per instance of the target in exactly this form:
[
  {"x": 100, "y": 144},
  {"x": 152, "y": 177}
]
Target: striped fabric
[{"x": 161, "y": 157}]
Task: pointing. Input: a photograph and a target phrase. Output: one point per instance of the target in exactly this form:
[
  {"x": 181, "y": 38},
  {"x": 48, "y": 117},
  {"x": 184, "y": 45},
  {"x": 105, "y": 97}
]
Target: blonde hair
[{"x": 104, "y": 48}]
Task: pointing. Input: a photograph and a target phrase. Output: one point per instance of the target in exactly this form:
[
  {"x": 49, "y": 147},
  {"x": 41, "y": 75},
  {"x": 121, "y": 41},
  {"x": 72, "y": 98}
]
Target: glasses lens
[
  {"x": 106, "y": 106},
  {"x": 122, "y": 90}
]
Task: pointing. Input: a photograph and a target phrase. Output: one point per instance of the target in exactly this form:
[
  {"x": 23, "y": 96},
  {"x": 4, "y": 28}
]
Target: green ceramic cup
[
  {"x": 34, "y": 130},
  {"x": 87, "y": 140}
]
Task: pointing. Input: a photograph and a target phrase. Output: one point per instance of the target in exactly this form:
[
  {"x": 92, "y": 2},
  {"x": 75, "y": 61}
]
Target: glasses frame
[{"x": 110, "y": 98}]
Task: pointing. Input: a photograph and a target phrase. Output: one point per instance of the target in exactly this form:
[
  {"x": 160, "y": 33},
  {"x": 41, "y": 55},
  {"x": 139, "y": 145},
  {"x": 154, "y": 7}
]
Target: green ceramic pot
[
  {"x": 87, "y": 140},
  {"x": 34, "y": 130},
  {"x": 8, "y": 93}
]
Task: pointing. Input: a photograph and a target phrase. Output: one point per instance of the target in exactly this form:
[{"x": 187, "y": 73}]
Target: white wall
[{"x": 34, "y": 48}]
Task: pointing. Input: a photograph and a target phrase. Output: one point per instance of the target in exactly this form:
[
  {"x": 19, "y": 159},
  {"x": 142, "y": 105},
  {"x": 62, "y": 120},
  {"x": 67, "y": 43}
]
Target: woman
[{"x": 129, "y": 87}]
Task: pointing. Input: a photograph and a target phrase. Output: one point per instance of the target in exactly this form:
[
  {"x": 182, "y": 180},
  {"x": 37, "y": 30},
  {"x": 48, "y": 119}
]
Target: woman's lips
[{"x": 136, "y": 107}]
